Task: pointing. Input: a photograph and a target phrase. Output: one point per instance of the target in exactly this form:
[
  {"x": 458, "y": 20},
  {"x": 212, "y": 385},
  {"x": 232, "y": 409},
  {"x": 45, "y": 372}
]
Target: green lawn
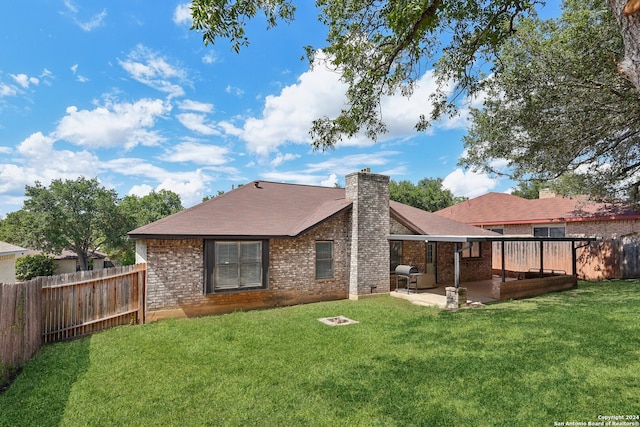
[{"x": 568, "y": 356}]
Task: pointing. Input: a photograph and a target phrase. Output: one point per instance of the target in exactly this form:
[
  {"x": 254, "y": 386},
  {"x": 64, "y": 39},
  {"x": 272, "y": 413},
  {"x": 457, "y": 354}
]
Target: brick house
[
  {"x": 269, "y": 244},
  {"x": 553, "y": 216}
]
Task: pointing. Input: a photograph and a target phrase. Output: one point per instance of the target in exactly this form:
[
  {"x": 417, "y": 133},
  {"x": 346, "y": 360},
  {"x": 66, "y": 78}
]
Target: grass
[{"x": 568, "y": 356}]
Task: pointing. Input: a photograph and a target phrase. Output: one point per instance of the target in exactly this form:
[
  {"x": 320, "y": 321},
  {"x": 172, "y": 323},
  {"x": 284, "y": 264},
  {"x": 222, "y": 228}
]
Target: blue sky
[{"x": 125, "y": 92}]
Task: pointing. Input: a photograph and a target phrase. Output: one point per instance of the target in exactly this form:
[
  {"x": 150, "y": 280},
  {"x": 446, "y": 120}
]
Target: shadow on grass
[{"x": 39, "y": 396}]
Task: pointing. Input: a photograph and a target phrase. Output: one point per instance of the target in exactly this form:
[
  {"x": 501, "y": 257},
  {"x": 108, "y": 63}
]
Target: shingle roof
[
  {"x": 271, "y": 209},
  {"x": 8, "y": 248},
  {"x": 423, "y": 222},
  {"x": 258, "y": 209},
  {"x": 502, "y": 208}
]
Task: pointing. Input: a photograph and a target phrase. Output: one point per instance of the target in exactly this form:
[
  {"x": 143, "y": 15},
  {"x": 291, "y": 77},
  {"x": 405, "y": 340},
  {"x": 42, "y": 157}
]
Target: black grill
[{"x": 406, "y": 270}]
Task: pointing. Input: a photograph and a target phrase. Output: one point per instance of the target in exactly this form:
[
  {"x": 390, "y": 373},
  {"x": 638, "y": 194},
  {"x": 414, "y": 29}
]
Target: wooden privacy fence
[
  {"x": 20, "y": 325},
  {"x": 80, "y": 303},
  {"x": 607, "y": 259},
  {"x": 55, "y": 308}
]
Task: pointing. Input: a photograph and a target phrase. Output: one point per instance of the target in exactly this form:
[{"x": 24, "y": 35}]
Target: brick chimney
[
  {"x": 546, "y": 193},
  {"x": 369, "y": 229}
]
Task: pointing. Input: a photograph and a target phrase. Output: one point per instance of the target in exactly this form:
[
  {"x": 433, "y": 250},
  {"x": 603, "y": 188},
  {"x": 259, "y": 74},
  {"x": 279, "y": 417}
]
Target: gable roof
[
  {"x": 258, "y": 209},
  {"x": 264, "y": 209},
  {"x": 9, "y": 249},
  {"x": 422, "y": 222},
  {"x": 502, "y": 208}
]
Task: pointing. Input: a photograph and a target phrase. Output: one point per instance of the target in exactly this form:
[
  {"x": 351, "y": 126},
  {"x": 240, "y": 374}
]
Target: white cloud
[
  {"x": 352, "y": 163},
  {"x": 234, "y": 91},
  {"x": 331, "y": 181},
  {"x": 282, "y": 158},
  {"x": 140, "y": 190},
  {"x": 293, "y": 177},
  {"x": 36, "y": 159},
  {"x": 6, "y": 90},
  {"x": 191, "y": 105},
  {"x": 210, "y": 57},
  {"x": 113, "y": 125},
  {"x": 89, "y": 24},
  {"x": 203, "y": 154},
  {"x": 190, "y": 188},
  {"x": 25, "y": 81},
  {"x": 149, "y": 68},
  {"x": 468, "y": 184},
  {"x": 196, "y": 123},
  {"x": 182, "y": 14}
]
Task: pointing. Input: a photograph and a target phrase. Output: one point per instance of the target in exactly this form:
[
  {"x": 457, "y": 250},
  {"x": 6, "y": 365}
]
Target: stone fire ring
[{"x": 337, "y": 321}]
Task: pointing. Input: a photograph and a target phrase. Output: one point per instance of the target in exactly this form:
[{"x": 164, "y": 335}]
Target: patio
[
  {"x": 480, "y": 292},
  {"x": 487, "y": 291}
]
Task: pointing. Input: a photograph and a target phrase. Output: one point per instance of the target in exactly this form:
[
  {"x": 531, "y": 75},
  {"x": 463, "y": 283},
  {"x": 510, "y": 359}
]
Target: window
[
  {"x": 324, "y": 260},
  {"x": 235, "y": 265},
  {"x": 498, "y": 230},
  {"x": 548, "y": 231},
  {"x": 431, "y": 249},
  {"x": 473, "y": 251},
  {"x": 395, "y": 254}
]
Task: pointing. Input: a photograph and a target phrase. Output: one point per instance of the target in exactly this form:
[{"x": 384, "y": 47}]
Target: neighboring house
[
  {"x": 8, "y": 255},
  {"x": 67, "y": 261},
  {"x": 553, "y": 216},
  {"x": 268, "y": 244}
]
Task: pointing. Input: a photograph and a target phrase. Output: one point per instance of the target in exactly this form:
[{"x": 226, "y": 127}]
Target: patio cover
[{"x": 474, "y": 238}]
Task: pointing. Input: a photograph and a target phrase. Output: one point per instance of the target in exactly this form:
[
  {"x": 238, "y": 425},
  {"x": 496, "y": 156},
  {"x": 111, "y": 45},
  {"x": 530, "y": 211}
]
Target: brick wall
[
  {"x": 471, "y": 269},
  {"x": 292, "y": 264},
  {"x": 176, "y": 267},
  {"x": 605, "y": 229},
  {"x": 174, "y": 273},
  {"x": 369, "y": 269}
]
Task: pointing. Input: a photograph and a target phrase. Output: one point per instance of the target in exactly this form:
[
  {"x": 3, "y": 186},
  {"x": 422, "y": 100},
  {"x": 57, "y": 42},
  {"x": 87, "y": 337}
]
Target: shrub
[{"x": 30, "y": 266}]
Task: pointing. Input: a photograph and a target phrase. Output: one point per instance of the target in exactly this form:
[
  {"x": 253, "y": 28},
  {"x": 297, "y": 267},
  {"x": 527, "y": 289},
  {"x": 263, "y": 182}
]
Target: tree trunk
[
  {"x": 627, "y": 13},
  {"x": 83, "y": 260}
]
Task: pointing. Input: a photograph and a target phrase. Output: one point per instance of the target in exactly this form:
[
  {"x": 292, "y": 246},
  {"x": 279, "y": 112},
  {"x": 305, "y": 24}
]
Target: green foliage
[
  {"x": 30, "y": 266},
  {"x": 528, "y": 189},
  {"x": 138, "y": 211},
  {"x": 79, "y": 215},
  {"x": 558, "y": 106},
  {"x": 15, "y": 228},
  {"x": 565, "y": 356},
  {"x": 427, "y": 195},
  {"x": 382, "y": 48}
]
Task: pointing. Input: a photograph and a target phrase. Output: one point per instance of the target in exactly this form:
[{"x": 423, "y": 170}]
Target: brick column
[{"x": 369, "y": 267}]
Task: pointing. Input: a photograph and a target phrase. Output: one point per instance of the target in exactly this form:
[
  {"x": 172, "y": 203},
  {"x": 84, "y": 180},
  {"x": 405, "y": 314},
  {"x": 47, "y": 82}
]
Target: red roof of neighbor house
[
  {"x": 269, "y": 209},
  {"x": 502, "y": 208}
]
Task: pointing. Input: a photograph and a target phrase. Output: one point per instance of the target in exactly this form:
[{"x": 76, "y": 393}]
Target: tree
[
  {"x": 139, "y": 211},
  {"x": 569, "y": 184},
  {"x": 528, "y": 189},
  {"x": 559, "y": 106},
  {"x": 15, "y": 229},
  {"x": 382, "y": 48},
  {"x": 30, "y": 266},
  {"x": 79, "y": 215},
  {"x": 427, "y": 195},
  {"x": 151, "y": 207}
]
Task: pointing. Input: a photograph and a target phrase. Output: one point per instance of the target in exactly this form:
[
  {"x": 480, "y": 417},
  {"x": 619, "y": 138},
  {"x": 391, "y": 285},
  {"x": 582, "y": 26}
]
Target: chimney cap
[{"x": 365, "y": 170}]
